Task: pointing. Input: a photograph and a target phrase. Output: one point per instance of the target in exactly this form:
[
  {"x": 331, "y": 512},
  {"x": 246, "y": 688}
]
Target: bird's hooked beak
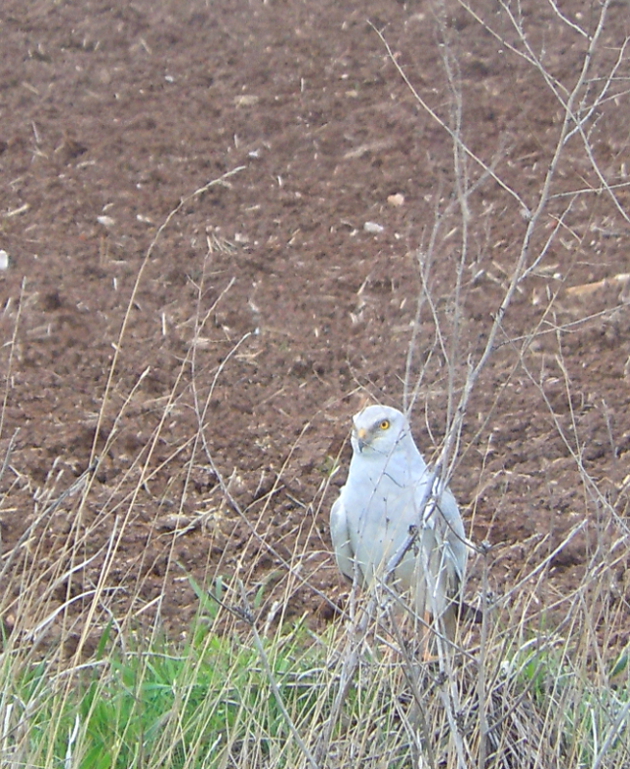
[{"x": 361, "y": 438}]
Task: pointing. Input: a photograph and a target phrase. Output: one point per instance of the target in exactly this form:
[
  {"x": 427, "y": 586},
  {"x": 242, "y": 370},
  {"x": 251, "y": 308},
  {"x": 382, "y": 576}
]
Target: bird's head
[{"x": 379, "y": 430}]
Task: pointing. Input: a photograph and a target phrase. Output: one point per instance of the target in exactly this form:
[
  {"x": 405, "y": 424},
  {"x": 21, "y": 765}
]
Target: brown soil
[{"x": 265, "y": 310}]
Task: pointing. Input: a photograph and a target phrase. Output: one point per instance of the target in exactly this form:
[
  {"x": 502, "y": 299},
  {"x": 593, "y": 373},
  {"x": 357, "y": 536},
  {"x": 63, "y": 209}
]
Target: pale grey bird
[{"x": 387, "y": 493}]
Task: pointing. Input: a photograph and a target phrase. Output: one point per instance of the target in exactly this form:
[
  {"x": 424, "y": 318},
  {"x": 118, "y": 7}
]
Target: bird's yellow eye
[{"x": 384, "y": 424}]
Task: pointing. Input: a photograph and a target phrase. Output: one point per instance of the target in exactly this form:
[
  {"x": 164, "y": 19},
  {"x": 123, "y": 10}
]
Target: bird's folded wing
[
  {"x": 341, "y": 539},
  {"x": 454, "y": 533}
]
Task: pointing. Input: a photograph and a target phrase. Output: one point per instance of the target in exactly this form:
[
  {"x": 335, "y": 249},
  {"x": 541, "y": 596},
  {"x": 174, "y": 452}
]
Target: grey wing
[
  {"x": 454, "y": 538},
  {"x": 445, "y": 538},
  {"x": 341, "y": 538}
]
